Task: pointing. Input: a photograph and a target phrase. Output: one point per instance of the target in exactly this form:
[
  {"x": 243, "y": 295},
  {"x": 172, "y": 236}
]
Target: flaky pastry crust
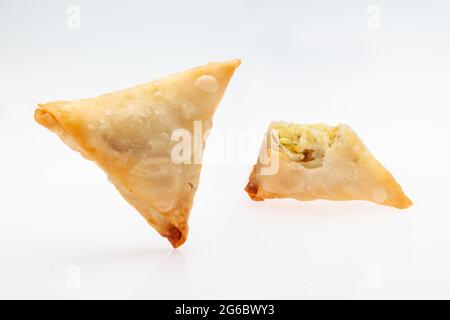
[
  {"x": 348, "y": 172},
  {"x": 128, "y": 134}
]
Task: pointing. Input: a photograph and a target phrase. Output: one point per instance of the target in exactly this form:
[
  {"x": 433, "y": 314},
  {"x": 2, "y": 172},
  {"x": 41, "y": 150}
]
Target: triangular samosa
[
  {"x": 134, "y": 135},
  {"x": 308, "y": 162}
]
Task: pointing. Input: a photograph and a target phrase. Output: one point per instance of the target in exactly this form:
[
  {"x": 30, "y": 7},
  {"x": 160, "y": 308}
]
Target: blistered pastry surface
[
  {"x": 128, "y": 134},
  {"x": 349, "y": 172}
]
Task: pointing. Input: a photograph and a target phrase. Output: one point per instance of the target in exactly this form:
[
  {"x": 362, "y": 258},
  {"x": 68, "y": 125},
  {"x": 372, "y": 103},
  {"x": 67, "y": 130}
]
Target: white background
[{"x": 382, "y": 67}]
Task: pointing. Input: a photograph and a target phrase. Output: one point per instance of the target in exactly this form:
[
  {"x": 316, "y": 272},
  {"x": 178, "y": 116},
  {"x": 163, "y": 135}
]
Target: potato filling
[{"x": 306, "y": 144}]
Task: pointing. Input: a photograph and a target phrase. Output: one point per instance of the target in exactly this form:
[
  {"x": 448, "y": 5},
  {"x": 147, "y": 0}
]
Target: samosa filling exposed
[{"x": 306, "y": 144}]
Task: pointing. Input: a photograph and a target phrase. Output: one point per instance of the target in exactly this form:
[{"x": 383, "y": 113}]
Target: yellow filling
[{"x": 305, "y": 143}]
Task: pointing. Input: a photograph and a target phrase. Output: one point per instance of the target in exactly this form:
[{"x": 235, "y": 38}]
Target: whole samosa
[{"x": 129, "y": 134}]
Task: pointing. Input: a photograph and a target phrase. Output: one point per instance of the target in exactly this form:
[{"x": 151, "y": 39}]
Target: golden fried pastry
[
  {"x": 130, "y": 135},
  {"x": 308, "y": 162}
]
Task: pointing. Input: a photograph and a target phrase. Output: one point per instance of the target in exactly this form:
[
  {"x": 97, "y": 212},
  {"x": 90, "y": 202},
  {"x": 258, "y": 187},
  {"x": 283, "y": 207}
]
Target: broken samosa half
[
  {"x": 130, "y": 135},
  {"x": 309, "y": 162}
]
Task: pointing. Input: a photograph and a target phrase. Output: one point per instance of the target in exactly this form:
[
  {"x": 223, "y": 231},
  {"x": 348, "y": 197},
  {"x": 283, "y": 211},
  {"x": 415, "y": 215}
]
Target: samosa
[{"x": 309, "y": 162}]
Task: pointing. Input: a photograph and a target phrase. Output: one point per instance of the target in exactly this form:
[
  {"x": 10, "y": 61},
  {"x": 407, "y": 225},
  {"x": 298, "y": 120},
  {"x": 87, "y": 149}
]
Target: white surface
[{"x": 66, "y": 233}]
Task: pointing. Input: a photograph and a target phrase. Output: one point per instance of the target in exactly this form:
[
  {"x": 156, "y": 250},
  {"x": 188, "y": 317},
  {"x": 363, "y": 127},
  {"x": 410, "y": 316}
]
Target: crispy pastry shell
[
  {"x": 349, "y": 172},
  {"x": 128, "y": 134}
]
